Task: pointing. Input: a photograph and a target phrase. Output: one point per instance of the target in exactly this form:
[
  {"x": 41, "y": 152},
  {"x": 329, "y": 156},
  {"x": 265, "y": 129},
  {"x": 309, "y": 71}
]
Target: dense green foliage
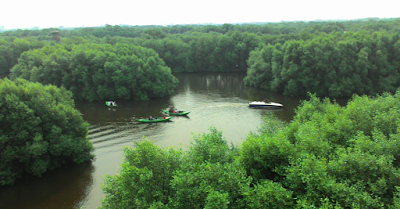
[
  {"x": 331, "y": 58},
  {"x": 221, "y": 48},
  {"x": 11, "y": 48},
  {"x": 206, "y": 176},
  {"x": 99, "y": 71},
  {"x": 40, "y": 130},
  {"x": 199, "y": 52},
  {"x": 335, "y": 65},
  {"x": 327, "y": 157}
]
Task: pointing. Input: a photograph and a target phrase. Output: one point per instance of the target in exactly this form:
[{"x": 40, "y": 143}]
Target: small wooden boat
[
  {"x": 153, "y": 120},
  {"x": 176, "y": 113},
  {"x": 111, "y": 104},
  {"x": 262, "y": 104}
]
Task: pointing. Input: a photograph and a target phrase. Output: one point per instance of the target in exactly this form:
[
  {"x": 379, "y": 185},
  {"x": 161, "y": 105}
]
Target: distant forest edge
[
  {"x": 335, "y": 65},
  {"x": 327, "y": 58}
]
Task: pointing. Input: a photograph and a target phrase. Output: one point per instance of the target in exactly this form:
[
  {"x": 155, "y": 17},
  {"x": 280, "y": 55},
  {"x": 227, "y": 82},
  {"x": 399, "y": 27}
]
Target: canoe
[
  {"x": 158, "y": 120},
  {"x": 178, "y": 113}
]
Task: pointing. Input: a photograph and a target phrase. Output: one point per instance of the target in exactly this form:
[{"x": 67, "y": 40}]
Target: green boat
[
  {"x": 176, "y": 113},
  {"x": 158, "y": 120},
  {"x": 109, "y": 104}
]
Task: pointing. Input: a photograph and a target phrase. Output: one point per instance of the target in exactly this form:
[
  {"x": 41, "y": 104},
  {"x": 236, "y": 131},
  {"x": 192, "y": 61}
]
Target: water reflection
[
  {"x": 54, "y": 189},
  {"x": 223, "y": 84}
]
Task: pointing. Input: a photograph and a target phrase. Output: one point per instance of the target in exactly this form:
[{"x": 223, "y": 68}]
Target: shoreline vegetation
[
  {"x": 328, "y": 156},
  {"x": 41, "y": 130}
]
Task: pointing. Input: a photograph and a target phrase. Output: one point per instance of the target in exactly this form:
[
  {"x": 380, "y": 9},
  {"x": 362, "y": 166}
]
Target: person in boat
[
  {"x": 171, "y": 109},
  {"x": 150, "y": 118},
  {"x": 155, "y": 118},
  {"x": 266, "y": 100},
  {"x": 164, "y": 117}
]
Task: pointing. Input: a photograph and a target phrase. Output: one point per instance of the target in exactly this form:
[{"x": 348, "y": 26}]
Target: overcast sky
[{"x": 77, "y": 13}]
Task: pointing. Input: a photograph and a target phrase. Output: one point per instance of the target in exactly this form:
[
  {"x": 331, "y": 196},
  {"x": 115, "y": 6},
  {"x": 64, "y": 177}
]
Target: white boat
[{"x": 264, "y": 104}]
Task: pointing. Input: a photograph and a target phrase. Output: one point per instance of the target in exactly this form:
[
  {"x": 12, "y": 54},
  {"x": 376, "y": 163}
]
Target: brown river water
[{"x": 214, "y": 99}]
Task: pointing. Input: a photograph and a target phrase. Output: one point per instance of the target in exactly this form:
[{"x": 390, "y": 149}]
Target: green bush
[
  {"x": 144, "y": 178},
  {"x": 345, "y": 156},
  {"x": 40, "y": 130}
]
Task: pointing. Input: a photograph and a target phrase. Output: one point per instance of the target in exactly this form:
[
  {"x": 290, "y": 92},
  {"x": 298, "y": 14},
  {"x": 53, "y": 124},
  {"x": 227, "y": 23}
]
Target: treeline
[
  {"x": 40, "y": 130},
  {"x": 98, "y": 71},
  {"x": 329, "y": 58},
  {"x": 200, "y": 52},
  {"x": 370, "y": 24},
  {"x": 196, "y": 52},
  {"x": 327, "y": 157},
  {"x": 215, "y": 48},
  {"x": 335, "y": 65}
]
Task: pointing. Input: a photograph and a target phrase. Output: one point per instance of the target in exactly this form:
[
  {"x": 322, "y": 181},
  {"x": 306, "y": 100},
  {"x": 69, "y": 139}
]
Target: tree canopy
[
  {"x": 99, "y": 71},
  {"x": 40, "y": 130},
  {"x": 329, "y": 58},
  {"x": 12, "y": 47},
  {"x": 335, "y": 65}
]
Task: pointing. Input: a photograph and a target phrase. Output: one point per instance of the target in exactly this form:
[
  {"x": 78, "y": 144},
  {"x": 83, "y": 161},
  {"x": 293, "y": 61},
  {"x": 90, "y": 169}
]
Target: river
[{"x": 214, "y": 99}]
